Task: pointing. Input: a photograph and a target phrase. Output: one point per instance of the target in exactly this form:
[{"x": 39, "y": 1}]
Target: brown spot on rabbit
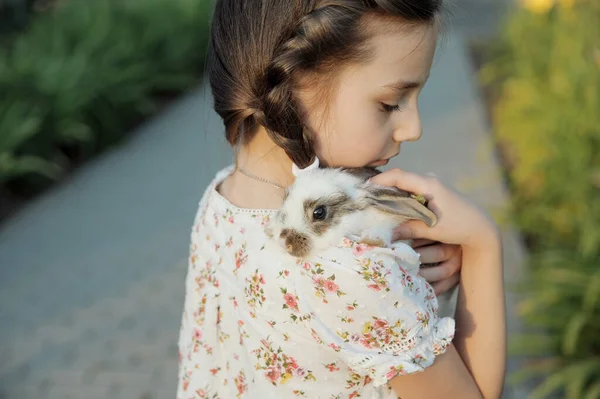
[
  {"x": 297, "y": 244},
  {"x": 323, "y": 213},
  {"x": 364, "y": 173}
]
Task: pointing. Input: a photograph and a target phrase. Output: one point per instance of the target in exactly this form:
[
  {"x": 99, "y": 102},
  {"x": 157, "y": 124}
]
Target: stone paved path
[{"x": 91, "y": 275}]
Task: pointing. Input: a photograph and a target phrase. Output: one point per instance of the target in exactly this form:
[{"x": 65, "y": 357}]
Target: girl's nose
[{"x": 410, "y": 129}]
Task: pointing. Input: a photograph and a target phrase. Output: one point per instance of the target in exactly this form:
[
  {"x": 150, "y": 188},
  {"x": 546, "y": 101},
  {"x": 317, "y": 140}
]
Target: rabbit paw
[
  {"x": 376, "y": 237},
  {"x": 372, "y": 242}
]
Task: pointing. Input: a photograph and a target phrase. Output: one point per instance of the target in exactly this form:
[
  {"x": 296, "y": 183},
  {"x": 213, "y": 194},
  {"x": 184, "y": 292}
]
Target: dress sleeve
[{"x": 369, "y": 305}]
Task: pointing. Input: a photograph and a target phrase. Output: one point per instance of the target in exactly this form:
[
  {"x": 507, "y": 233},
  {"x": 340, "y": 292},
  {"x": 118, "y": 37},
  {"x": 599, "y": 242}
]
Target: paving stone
[
  {"x": 121, "y": 379},
  {"x": 67, "y": 377},
  {"x": 22, "y": 392},
  {"x": 77, "y": 392}
]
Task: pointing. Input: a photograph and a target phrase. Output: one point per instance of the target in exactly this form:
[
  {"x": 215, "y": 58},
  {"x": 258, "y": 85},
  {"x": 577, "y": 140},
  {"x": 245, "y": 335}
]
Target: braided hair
[{"x": 259, "y": 49}]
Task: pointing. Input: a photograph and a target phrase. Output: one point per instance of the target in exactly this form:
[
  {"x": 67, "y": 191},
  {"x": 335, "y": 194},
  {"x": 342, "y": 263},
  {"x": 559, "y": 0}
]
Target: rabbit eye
[{"x": 319, "y": 213}]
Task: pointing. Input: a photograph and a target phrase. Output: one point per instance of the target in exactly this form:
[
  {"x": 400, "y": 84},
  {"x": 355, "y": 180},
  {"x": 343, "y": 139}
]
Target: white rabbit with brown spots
[{"x": 325, "y": 205}]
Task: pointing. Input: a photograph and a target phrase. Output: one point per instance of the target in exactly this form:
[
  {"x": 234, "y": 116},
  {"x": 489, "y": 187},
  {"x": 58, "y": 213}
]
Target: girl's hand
[
  {"x": 459, "y": 221},
  {"x": 440, "y": 264}
]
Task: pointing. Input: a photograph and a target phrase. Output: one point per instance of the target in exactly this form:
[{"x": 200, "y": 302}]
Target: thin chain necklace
[{"x": 253, "y": 176}]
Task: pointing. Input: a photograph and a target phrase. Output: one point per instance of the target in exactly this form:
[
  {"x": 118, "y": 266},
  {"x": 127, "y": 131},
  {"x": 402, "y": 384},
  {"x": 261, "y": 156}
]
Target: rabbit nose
[{"x": 295, "y": 243}]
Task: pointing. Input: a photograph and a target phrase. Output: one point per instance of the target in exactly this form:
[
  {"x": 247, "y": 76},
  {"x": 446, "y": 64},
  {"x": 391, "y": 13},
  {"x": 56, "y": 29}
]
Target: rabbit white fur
[{"x": 324, "y": 205}]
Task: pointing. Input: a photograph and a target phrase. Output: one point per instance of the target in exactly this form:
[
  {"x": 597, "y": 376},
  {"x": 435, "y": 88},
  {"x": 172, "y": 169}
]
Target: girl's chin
[{"x": 382, "y": 162}]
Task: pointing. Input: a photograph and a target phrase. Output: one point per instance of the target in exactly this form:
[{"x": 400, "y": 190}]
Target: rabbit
[{"x": 324, "y": 205}]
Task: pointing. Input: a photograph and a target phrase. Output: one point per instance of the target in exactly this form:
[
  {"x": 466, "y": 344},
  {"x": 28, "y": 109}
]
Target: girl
[{"x": 338, "y": 80}]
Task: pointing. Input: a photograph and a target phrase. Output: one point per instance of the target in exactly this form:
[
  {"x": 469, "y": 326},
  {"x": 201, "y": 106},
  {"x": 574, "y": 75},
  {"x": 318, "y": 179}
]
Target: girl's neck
[{"x": 263, "y": 158}]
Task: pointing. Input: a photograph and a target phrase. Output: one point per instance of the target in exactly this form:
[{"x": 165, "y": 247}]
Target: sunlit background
[{"x": 108, "y": 139}]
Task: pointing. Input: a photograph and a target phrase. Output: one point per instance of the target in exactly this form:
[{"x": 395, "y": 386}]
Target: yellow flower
[
  {"x": 285, "y": 378},
  {"x": 367, "y": 327},
  {"x": 538, "y": 6},
  {"x": 567, "y": 3}
]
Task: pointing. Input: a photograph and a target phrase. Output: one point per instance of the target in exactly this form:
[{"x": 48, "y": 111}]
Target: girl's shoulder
[
  {"x": 219, "y": 203},
  {"x": 212, "y": 188},
  {"x": 213, "y": 201},
  {"x": 211, "y": 198}
]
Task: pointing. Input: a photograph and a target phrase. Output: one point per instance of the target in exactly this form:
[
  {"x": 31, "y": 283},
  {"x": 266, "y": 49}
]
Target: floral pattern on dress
[
  {"x": 278, "y": 367},
  {"x": 254, "y": 290},
  {"x": 323, "y": 285},
  {"x": 240, "y": 383},
  {"x": 241, "y": 257},
  {"x": 260, "y": 324}
]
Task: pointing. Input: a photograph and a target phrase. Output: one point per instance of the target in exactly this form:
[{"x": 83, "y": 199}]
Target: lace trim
[
  {"x": 391, "y": 349},
  {"x": 409, "y": 356},
  {"x": 222, "y": 202}
]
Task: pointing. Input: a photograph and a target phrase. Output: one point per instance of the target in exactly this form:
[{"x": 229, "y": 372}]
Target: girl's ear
[{"x": 399, "y": 203}]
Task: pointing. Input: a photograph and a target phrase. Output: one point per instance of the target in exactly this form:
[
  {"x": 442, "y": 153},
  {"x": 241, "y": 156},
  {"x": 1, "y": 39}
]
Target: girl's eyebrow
[{"x": 405, "y": 85}]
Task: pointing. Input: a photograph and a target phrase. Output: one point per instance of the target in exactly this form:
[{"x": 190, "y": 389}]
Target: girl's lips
[{"x": 383, "y": 162}]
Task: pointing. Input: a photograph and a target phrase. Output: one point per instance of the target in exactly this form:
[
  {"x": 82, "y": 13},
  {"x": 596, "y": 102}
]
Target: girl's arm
[
  {"x": 474, "y": 366},
  {"x": 481, "y": 316}
]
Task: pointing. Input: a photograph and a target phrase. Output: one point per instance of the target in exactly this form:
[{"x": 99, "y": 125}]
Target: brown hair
[{"x": 258, "y": 47}]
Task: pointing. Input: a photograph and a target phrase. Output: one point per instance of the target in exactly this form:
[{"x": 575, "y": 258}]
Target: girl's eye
[
  {"x": 319, "y": 213},
  {"x": 390, "y": 108}
]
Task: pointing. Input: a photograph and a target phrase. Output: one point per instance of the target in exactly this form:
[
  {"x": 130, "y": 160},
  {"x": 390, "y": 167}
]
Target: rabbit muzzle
[{"x": 295, "y": 243}]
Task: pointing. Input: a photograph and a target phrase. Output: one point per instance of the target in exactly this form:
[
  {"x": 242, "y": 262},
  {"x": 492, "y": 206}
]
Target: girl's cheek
[{"x": 379, "y": 132}]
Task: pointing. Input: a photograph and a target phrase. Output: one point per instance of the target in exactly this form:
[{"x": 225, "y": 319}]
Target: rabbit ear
[
  {"x": 400, "y": 204},
  {"x": 297, "y": 171}
]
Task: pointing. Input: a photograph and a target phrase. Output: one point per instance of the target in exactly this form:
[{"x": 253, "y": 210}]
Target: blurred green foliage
[
  {"x": 14, "y": 14},
  {"x": 544, "y": 74},
  {"x": 81, "y": 76}
]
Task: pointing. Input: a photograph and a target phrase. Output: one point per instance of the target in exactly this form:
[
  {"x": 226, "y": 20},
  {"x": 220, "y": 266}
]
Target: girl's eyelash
[{"x": 390, "y": 108}]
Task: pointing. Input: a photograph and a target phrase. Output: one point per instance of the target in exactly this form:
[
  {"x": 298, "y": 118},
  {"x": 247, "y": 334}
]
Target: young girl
[{"x": 338, "y": 80}]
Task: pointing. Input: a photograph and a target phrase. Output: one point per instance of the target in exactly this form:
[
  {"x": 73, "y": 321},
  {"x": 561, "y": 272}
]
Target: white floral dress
[{"x": 259, "y": 324}]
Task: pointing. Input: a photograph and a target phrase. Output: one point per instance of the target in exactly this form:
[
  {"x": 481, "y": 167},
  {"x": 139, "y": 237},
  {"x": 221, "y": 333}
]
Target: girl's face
[{"x": 374, "y": 108}]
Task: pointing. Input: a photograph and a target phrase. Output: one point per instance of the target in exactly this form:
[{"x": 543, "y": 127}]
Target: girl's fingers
[
  {"x": 436, "y": 253},
  {"x": 422, "y": 242},
  {"x": 436, "y": 273},
  {"x": 400, "y": 233},
  {"x": 446, "y": 285},
  {"x": 403, "y": 180},
  {"x": 410, "y": 230},
  {"x": 443, "y": 271}
]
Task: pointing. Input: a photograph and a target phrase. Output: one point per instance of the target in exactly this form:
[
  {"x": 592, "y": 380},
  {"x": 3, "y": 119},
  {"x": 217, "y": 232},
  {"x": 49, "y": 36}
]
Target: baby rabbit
[{"x": 325, "y": 205}]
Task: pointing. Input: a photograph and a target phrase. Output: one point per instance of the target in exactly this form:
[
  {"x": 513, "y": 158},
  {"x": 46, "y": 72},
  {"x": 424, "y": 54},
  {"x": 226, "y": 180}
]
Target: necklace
[{"x": 253, "y": 176}]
